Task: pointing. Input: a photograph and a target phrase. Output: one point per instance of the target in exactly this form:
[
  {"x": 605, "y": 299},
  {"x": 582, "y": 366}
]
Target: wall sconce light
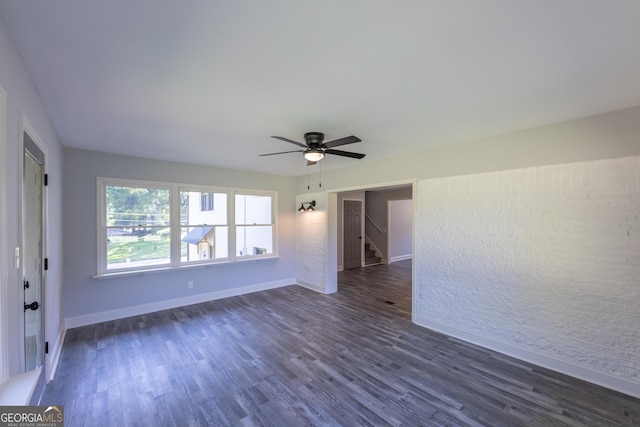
[{"x": 309, "y": 208}]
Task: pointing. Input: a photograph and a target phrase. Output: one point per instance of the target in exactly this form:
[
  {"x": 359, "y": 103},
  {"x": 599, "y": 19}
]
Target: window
[
  {"x": 203, "y": 232},
  {"x": 137, "y": 226},
  {"x": 206, "y": 201},
  {"x": 254, "y": 224},
  {"x": 145, "y": 225}
]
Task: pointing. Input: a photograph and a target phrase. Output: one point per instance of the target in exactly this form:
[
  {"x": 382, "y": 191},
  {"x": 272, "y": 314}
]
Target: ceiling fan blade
[
  {"x": 342, "y": 141},
  {"x": 345, "y": 153},
  {"x": 309, "y": 163},
  {"x": 282, "y": 138},
  {"x": 282, "y": 152}
]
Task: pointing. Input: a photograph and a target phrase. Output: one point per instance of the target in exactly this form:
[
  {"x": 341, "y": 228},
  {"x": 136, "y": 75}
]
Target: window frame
[
  {"x": 201, "y": 189},
  {"x": 249, "y": 225},
  {"x": 175, "y": 225}
]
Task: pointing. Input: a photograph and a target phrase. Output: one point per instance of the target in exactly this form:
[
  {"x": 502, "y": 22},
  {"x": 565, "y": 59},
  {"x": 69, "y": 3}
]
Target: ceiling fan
[{"x": 315, "y": 148}]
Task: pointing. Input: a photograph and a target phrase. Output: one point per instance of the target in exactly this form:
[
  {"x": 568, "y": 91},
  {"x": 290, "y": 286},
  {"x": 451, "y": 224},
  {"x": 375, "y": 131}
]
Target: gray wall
[
  {"x": 23, "y": 101},
  {"x": 87, "y": 300},
  {"x": 400, "y": 229},
  {"x": 377, "y": 209}
]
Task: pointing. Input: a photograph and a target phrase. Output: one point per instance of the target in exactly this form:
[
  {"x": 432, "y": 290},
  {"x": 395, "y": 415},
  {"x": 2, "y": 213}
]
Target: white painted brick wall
[
  {"x": 311, "y": 242},
  {"x": 543, "y": 259}
]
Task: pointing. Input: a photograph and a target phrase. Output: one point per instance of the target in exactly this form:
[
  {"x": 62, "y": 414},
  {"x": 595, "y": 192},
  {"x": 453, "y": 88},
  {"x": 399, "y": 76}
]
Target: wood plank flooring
[{"x": 293, "y": 357}]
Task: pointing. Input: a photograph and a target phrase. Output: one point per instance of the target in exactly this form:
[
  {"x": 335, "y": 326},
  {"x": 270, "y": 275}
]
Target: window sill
[
  {"x": 142, "y": 272},
  {"x": 18, "y": 389}
]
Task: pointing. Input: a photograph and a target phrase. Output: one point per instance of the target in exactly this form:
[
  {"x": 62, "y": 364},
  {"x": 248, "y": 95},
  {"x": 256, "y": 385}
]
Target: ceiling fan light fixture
[
  {"x": 313, "y": 154},
  {"x": 314, "y": 148}
]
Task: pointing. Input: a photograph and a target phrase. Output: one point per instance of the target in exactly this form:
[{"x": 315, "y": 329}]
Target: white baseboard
[
  {"x": 121, "y": 313},
  {"x": 596, "y": 377},
  {"x": 401, "y": 257},
  {"x": 54, "y": 358}
]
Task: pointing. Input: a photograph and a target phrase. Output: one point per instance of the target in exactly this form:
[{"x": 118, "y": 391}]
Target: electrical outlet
[{"x": 190, "y": 284}]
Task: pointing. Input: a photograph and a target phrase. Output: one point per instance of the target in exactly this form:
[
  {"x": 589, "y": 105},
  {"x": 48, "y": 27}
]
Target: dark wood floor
[{"x": 293, "y": 357}]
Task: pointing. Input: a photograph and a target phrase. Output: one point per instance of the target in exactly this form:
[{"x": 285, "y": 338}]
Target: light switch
[{"x": 17, "y": 257}]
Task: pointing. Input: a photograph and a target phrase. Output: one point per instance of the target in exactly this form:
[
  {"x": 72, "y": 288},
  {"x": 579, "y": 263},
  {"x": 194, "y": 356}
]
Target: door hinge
[
  {"x": 46, "y": 347},
  {"x": 46, "y": 263},
  {"x": 46, "y": 179}
]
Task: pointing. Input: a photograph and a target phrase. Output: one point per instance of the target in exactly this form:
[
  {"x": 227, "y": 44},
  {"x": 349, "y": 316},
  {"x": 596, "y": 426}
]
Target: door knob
[{"x": 33, "y": 306}]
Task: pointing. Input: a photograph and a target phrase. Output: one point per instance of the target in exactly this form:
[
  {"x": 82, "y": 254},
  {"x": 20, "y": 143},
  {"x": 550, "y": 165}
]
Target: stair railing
[{"x": 374, "y": 224}]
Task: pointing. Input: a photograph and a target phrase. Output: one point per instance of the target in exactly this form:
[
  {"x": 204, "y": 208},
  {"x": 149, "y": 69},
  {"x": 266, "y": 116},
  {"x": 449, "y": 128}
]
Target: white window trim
[
  {"x": 101, "y": 220},
  {"x": 175, "y": 261}
]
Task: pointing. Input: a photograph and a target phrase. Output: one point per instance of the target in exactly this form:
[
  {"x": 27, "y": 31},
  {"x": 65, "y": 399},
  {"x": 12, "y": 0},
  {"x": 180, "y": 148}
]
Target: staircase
[{"x": 370, "y": 257}]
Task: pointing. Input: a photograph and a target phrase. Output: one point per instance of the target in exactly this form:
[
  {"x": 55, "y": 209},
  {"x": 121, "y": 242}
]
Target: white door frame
[
  {"x": 26, "y": 127},
  {"x": 4, "y": 249}
]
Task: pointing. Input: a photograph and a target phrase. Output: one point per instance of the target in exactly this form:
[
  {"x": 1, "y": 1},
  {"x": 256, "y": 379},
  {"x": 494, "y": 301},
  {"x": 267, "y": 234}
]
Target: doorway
[
  {"x": 32, "y": 253},
  {"x": 336, "y": 225}
]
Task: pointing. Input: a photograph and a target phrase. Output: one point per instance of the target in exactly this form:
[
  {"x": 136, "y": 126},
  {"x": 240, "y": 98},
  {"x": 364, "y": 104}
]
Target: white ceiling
[{"x": 208, "y": 82}]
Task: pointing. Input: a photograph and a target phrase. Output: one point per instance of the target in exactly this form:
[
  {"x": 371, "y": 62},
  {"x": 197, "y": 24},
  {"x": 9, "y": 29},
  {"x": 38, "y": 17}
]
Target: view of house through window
[
  {"x": 139, "y": 230},
  {"x": 203, "y": 230}
]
